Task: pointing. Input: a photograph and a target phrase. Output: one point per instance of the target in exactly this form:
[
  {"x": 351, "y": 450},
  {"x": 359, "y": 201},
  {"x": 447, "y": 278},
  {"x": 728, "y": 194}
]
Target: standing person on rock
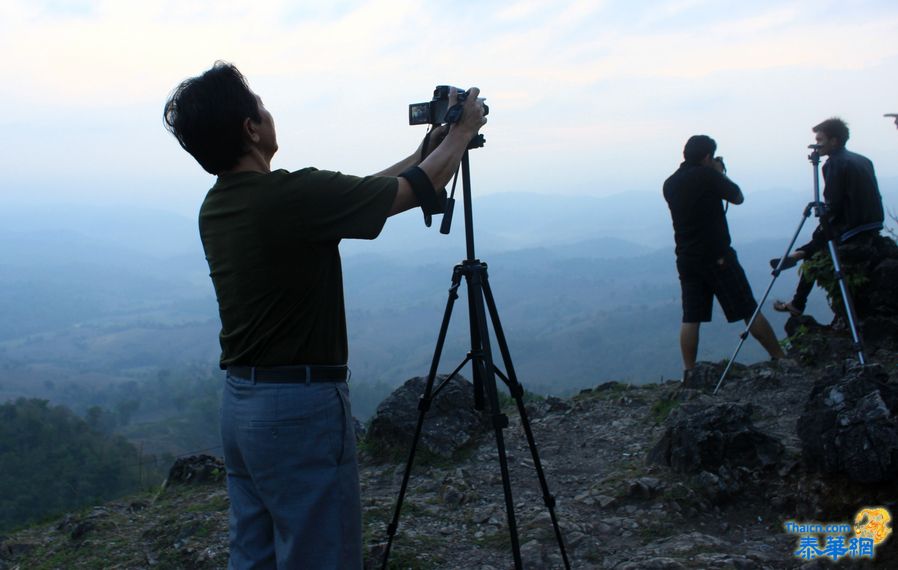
[
  {"x": 706, "y": 263},
  {"x": 271, "y": 240},
  {"x": 853, "y": 212}
]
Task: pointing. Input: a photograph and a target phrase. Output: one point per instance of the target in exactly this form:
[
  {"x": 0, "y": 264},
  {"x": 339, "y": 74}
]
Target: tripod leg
[
  {"x": 423, "y": 407},
  {"x": 776, "y": 274},
  {"x": 848, "y": 302},
  {"x": 477, "y": 370},
  {"x": 742, "y": 336},
  {"x": 484, "y": 361},
  {"x": 517, "y": 392}
]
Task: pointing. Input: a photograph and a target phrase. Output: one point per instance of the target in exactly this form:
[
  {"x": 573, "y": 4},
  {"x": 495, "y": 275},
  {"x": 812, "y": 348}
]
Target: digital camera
[{"x": 437, "y": 110}]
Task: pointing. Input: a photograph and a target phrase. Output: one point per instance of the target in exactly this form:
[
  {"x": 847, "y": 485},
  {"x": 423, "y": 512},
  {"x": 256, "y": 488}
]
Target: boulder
[
  {"x": 815, "y": 344},
  {"x": 876, "y": 299},
  {"x": 849, "y": 425},
  {"x": 450, "y": 424},
  {"x": 196, "y": 469},
  {"x": 704, "y": 436}
]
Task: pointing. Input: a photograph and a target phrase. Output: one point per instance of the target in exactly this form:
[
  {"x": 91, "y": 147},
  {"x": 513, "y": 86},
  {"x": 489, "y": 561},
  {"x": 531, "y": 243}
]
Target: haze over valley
[{"x": 586, "y": 289}]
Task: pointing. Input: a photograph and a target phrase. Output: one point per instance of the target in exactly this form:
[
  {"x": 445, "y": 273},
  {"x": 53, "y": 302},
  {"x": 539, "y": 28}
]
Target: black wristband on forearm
[{"x": 424, "y": 191}]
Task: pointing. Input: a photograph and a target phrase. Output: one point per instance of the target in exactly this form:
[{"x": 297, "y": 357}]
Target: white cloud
[
  {"x": 517, "y": 11},
  {"x": 566, "y": 81},
  {"x": 128, "y": 51}
]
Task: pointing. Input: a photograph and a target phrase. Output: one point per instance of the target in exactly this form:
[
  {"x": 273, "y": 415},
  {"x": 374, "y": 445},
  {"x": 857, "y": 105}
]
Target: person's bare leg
[
  {"x": 689, "y": 344},
  {"x": 764, "y": 334}
]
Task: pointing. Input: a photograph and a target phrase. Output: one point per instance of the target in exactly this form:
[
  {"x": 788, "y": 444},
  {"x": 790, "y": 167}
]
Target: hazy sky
[{"x": 585, "y": 96}]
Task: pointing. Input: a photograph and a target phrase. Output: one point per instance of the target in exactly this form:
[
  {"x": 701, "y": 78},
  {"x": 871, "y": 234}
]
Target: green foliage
[
  {"x": 173, "y": 413},
  {"x": 806, "y": 345},
  {"x": 663, "y": 407},
  {"x": 800, "y": 333},
  {"x": 52, "y": 461},
  {"x": 819, "y": 268}
]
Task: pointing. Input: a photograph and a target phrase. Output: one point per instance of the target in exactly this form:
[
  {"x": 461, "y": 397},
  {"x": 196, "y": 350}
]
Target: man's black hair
[
  {"x": 698, "y": 147},
  {"x": 206, "y": 115},
  {"x": 833, "y": 128}
]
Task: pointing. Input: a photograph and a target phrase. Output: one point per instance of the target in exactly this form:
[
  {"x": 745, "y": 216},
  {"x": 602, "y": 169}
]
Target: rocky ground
[
  {"x": 617, "y": 509},
  {"x": 635, "y": 489}
]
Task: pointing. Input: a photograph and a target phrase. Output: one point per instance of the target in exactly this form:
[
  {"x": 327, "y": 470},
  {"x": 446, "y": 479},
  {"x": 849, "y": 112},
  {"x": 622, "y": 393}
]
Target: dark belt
[{"x": 291, "y": 374}]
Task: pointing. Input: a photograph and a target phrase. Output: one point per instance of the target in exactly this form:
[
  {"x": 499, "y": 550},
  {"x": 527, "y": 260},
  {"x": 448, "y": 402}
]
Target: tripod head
[{"x": 814, "y": 157}]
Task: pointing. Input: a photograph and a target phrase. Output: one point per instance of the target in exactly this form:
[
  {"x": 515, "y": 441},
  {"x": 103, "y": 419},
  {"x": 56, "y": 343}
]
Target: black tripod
[
  {"x": 819, "y": 210},
  {"x": 480, "y": 300}
]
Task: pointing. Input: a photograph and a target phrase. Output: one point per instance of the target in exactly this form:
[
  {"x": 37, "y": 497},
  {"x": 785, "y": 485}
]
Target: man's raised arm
[{"x": 441, "y": 164}]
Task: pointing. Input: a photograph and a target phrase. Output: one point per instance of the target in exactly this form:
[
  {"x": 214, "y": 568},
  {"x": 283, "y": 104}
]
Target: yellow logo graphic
[
  {"x": 873, "y": 523},
  {"x": 870, "y": 529}
]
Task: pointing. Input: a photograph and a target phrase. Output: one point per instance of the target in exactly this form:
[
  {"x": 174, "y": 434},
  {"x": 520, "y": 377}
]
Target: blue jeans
[{"x": 292, "y": 476}]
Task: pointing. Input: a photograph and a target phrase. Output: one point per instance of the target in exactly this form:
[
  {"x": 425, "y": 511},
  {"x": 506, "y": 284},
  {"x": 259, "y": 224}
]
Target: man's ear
[{"x": 249, "y": 130}]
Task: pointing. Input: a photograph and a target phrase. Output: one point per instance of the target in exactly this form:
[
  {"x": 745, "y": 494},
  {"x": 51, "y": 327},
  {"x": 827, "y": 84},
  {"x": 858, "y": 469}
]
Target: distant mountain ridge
[
  {"x": 503, "y": 221},
  {"x": 575, "y": 279}
]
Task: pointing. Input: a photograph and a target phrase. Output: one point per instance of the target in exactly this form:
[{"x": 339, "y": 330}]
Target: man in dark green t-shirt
[{"x": 271, "y": 241}]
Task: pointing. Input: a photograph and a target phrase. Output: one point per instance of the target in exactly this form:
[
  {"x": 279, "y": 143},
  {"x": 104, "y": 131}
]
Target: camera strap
[{"x": 424, "y": 145}]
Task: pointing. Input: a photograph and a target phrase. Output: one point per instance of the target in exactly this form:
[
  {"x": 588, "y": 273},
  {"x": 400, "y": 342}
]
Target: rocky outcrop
[
  {"x": 706, "y": 435},
  {"x": 871, "y": 269},
  {"x": 450, "y": 424},
  {"x": 877, "y": 294},
  {"x": 729, "y": 470},
  {"x": 849, "y": 425},
  {"x": 196, "y": 469},
  {"x": 814, "y": 344}
]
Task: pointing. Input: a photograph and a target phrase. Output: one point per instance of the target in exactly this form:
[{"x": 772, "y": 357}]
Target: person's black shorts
[{"x": 723, "y": 278}]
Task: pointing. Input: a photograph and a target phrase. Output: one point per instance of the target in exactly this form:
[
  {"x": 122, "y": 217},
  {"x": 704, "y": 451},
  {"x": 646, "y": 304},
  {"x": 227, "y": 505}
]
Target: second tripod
[
  {"x": 481, "y": 308},
  {"x": 819, "y": 210}
]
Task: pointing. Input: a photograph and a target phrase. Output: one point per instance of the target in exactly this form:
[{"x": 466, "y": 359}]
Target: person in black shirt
[
  {"x": 707, "y": 265},
  {"x": 853, "y": 205}
]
